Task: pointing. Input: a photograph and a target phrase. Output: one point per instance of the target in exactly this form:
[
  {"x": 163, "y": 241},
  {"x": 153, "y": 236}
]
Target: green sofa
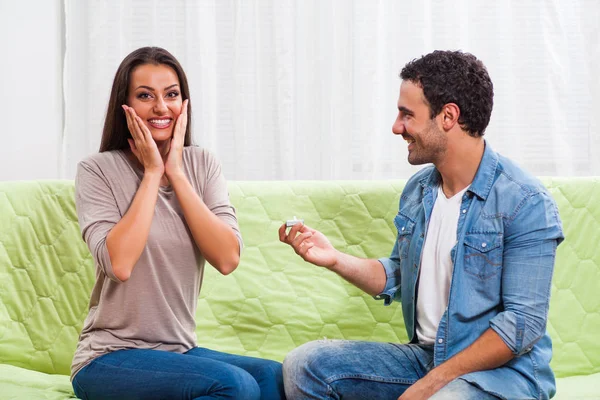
[{"x": 274, "y": 301}]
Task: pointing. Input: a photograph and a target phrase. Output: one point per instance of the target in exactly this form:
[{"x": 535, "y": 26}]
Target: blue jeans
[
  {"x": 199, "y": 374},
  {"x": 353, "y": 370}
]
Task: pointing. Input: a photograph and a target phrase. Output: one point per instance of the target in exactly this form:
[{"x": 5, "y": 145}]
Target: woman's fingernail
[{"x": 124, "y": 107}]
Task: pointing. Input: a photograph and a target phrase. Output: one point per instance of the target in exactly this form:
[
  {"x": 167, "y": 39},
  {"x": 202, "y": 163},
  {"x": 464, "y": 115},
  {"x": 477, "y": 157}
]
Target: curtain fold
[{"x": 286, "y": 89}]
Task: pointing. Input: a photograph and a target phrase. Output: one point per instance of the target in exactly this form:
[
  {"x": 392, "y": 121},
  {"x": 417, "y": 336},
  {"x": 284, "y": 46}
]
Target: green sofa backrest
[{"x": 274, "y": 301}]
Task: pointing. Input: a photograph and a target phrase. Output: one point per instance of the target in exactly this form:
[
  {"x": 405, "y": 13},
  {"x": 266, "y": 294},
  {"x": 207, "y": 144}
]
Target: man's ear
[{"x": 450, "y": 114}]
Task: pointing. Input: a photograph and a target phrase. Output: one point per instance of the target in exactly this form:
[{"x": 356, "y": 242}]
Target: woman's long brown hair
[{"x": 115, "y": 132}]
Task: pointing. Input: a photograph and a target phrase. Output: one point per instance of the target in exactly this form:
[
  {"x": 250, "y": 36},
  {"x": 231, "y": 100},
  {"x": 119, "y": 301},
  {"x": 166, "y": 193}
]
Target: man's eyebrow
[{"x": 405, "y": 110}]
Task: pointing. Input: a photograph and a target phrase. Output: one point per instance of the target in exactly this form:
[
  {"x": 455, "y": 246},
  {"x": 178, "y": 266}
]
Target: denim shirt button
[
  {"x": 402, "y": 228},
  {"x": 484, "y": 244},
  {"x": 440, "y": 340},
  {"x": 464, "y": 210}
]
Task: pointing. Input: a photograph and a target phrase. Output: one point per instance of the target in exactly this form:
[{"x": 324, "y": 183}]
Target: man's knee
[
  {"x": 460, "y": 389},
  {"x": 293, "y": 365},
  {"x": 296, "y": 367},
  {"x": 303, "y": 358},
  {"x": 308, "y": 366}
]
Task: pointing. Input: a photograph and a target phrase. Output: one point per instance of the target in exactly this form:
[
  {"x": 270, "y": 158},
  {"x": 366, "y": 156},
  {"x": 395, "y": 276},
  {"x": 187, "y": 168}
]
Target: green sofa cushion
[
  {"x": 20, "y": 384},
  {"x": 274, "y": 301},
  {"x": 578, "y": 388}
]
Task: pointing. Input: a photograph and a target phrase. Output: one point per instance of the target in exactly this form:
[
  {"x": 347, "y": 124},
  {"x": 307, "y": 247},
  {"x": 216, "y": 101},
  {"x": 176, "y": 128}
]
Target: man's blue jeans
[
  {"x": 353, "y": 370},
  {"x": 199, "y": 374}
]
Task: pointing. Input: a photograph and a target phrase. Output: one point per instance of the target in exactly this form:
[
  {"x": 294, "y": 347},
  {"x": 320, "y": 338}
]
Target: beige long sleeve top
[{"x": 155, "y": 308}]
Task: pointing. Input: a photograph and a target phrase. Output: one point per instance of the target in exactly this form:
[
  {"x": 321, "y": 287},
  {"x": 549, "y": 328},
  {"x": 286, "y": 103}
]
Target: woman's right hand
[{"x": 143, "y": 145}]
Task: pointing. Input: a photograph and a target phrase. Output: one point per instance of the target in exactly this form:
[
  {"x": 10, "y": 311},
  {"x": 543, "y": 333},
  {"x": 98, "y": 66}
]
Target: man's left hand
[{"x": 422, "y": 389}]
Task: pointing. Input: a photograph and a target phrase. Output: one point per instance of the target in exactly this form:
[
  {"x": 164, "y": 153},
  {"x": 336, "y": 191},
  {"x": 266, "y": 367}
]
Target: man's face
[{"x": 427, "y": 143}]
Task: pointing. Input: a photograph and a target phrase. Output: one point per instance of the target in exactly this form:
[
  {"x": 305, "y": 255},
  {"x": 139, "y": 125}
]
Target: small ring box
[{"x": 292, "y": 222}]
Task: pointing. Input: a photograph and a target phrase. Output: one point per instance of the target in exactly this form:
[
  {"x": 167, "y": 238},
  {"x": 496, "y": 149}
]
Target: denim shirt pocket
[
  {"x": 405, "y": 227},
  {"x": 483, "y": 254}
]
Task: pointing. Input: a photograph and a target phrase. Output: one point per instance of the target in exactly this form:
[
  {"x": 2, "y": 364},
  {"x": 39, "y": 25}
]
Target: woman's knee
[
  {"x": 269, "y": 375},
  {"x": 271, "y": 368},
  {"x": 238, "y": 385}
]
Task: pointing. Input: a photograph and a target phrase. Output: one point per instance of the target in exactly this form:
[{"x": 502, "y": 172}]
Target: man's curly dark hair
[{"x": 454, "y": 77}]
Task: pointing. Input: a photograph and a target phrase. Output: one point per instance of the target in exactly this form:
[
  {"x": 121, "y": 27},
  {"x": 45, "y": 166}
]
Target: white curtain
[{"x": 307, "y": 89}]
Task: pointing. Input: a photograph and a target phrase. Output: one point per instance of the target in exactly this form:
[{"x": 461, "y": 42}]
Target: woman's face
[{"x": 155, "y": 95}]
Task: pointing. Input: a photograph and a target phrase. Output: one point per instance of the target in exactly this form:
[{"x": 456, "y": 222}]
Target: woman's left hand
[{"x": 174, "y": 161}]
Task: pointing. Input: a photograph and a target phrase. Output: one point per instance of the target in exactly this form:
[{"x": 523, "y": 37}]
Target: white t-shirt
[{"x": 436, "y": 265}]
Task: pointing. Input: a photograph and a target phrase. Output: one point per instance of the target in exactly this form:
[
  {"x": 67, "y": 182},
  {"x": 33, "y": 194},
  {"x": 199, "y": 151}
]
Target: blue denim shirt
[{"x": 507, "y": 235}]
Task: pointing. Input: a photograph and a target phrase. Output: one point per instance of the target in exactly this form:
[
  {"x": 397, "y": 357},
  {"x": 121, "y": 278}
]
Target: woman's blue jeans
[{"x": 199, "y": 374}]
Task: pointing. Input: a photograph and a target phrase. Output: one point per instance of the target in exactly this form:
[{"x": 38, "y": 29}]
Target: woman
[{"x": 152, "y": 209}]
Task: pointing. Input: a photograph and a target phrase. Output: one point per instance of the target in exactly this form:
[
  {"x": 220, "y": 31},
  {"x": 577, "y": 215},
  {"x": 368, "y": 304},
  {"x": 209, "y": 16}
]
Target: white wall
[{"x": 31, "y": 40}]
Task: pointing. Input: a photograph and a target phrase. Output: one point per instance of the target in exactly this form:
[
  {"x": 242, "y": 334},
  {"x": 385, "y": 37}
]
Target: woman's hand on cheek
[
  {"x": 142, "y": 145},
  {"x": 174, "y": 162}
]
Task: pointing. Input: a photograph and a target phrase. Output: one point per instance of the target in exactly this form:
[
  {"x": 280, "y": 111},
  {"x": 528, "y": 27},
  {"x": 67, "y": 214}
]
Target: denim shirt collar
[{"x": 484, "y": 178}]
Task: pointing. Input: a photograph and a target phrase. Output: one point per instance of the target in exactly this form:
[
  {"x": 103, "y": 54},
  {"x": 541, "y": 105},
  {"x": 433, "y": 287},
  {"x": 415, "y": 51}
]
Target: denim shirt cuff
[
  {"x": 511, "y": 328},
  {"x": 392, "y": 285}
]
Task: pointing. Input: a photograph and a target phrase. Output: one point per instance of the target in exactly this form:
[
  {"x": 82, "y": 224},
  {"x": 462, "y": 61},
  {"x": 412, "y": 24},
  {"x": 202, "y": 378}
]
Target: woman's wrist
[
  {"x": 176, "y": 177},
  {"x": 153, "y": 175}
]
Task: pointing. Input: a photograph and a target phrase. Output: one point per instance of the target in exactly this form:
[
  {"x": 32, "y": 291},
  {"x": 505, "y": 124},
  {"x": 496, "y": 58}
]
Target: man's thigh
[{"x": 333, "y": 369}]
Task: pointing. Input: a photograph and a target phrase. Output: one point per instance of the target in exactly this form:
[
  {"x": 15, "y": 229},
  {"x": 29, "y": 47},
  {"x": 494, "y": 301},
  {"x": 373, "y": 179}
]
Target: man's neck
[{"x": 460, "y": 163}]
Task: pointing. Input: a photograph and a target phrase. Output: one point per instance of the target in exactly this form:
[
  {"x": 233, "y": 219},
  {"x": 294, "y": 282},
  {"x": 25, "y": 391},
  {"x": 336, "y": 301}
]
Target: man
[{"x": 472, "y": 263}]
